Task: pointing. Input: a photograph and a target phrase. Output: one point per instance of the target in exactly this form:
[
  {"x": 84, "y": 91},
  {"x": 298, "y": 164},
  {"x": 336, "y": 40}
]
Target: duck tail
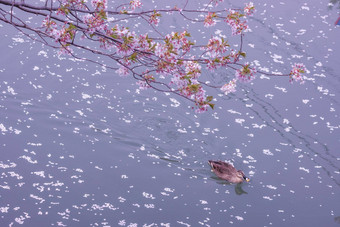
[{"x": 210, "y": 162}]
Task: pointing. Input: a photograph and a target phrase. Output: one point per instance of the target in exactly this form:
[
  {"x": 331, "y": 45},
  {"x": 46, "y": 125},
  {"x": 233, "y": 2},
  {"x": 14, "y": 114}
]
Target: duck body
[{"x": 227, "y": 172}]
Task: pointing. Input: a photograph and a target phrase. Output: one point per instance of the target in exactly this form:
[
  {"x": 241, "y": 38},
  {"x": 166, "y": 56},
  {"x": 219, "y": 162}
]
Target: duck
[{"x": 227, "y": 172}]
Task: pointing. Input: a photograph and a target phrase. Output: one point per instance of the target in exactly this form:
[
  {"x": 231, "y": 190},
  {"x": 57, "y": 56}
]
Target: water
[{"x": 81, "y": 147}]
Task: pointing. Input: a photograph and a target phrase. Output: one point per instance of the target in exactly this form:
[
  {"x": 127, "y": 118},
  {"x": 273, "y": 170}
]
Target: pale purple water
[{"x": 80, "y": 147}]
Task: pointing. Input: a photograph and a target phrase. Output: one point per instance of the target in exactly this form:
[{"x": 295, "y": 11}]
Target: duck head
[{"x": 242, "y": 175}]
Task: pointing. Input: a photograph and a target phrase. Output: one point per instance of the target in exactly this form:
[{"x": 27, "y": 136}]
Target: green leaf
[
  {"x": 71, "y": 26},
  {"x": 194, "y": 87},
  {"x": 153, "y": 47},
  {"x": 209, "y": 98},
  {"x": 211, "y": 105},
  {"x": 71, "y": 34},
  {"x": 133, "y": 57},
  {"x": 217, "y": 60},
  {"x": 102, "y": 14}
]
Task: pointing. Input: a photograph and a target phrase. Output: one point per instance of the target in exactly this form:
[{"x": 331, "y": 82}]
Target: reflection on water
[
  {"x": 239, "y": 190},
  {"x": 337, "y": 219},
  {"x": 82, "y": 147}
]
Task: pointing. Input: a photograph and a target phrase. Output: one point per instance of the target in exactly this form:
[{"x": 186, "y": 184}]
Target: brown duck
[{"x": 227, "y": 172}]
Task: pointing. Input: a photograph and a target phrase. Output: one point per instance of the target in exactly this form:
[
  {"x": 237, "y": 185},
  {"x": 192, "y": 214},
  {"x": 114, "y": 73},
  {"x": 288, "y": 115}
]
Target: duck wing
[{"x": 222, "y": 168}]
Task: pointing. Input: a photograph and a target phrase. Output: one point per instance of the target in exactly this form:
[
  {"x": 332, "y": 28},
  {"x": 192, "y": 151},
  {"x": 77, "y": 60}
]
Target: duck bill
[{"x": 246, "y": 178}]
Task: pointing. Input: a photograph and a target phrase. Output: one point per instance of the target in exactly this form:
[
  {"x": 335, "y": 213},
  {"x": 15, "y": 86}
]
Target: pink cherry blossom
[
  {"x": 216, "y": 2},
  {"x": 192, "y": 69},
  {"x": 94, "y": 23},
  {"x": 99, "y": 4},
  {"x": 178, "y": 42},
  {"x": 246, "y": 74},
  {"x": 173, "y": 57},
  {"x": 249, "y": 8},
  {"x": 66, "y": 4},
  {"x": 63, "y": 35},
  {"x": 216, "y": 45},
  {"x": 64, "y": 50},
  {"x": 179, "y": 81},
  {"x": 161, "y": 50},
  {"x": 234, "y": 21},
  {"x": 209, "y": 21},
  {"x": 135, "y": 4},
  {"x": 122, "y": 71},
  {"x": 154, "y": 18},
  {"x": 144, "y": 43},
  {"x": 296, "y": 73},
  {"x": 145, "y": 83},
  {"x": 229, "y": 87}
]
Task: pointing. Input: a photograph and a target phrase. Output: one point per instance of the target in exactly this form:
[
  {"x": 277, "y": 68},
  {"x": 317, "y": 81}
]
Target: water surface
[{"x": 81, "y": 146}]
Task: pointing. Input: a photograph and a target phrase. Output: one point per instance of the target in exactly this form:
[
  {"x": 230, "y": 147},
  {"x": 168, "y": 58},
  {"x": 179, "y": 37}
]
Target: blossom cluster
[
  {"x": 66, "y": 4},
  {"x": 135, "y": 4},
  {"x": 209, "y": 21},
  {"x": 145, "y": 82},
  {"x": 122, "y": 71},
  {"x": 171, "y": 57},
  {"x": 64, "y": 35},
  {"x": 234, "y": 21},
  {"x": 296, "y": 73},
  {"x": 94, "y": 22},
  {"x": 154, "y": 18},
  {"x": 192, "y": 69},
  {"x": 190, "y": 87},
  {"x": 178, "y": 42},
  {"x": 174, "y": 45},
  {"x": 127, "y": 39},
  {"x": 216, "y": 2},
  {"x": 229, "y": 87},
  {"x": 216, "y": 45},
  {"x": 99, "y": 4},
  {"x": 215, "y": 52},
  {"x": 249, "y": 8},
  {"x": 246, "y": 74}
]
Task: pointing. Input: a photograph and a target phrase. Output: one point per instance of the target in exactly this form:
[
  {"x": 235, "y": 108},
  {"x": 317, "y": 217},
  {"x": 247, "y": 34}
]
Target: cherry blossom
[
  {"x": 94, "y": 23},
  {"x": 229, "y": 87},
  {"x": 178, "y": 80},
  {"x": 66, "y": 4},
  {"x": 246, "y": 74},
  {"x": 99, "y": 4},
  {"x": 216, "y": 2},
  {"x": 64, "y": 35},
  {"x": 145, "y": 82},
  {"x": 135, "y": 4},
  {"x": 249, "y": 8},
  {"x": 192, "y": 69},
  {"x": 296, "y": 73},
  {"x": 122, "y": 71},
  {"x": 216, "y": 45},
  {"x": 234, "y": 21},
  {"x": 209, "y": 21},
  {"x": 154, "y": 18},
  {"x": 169, "y": 62}
]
